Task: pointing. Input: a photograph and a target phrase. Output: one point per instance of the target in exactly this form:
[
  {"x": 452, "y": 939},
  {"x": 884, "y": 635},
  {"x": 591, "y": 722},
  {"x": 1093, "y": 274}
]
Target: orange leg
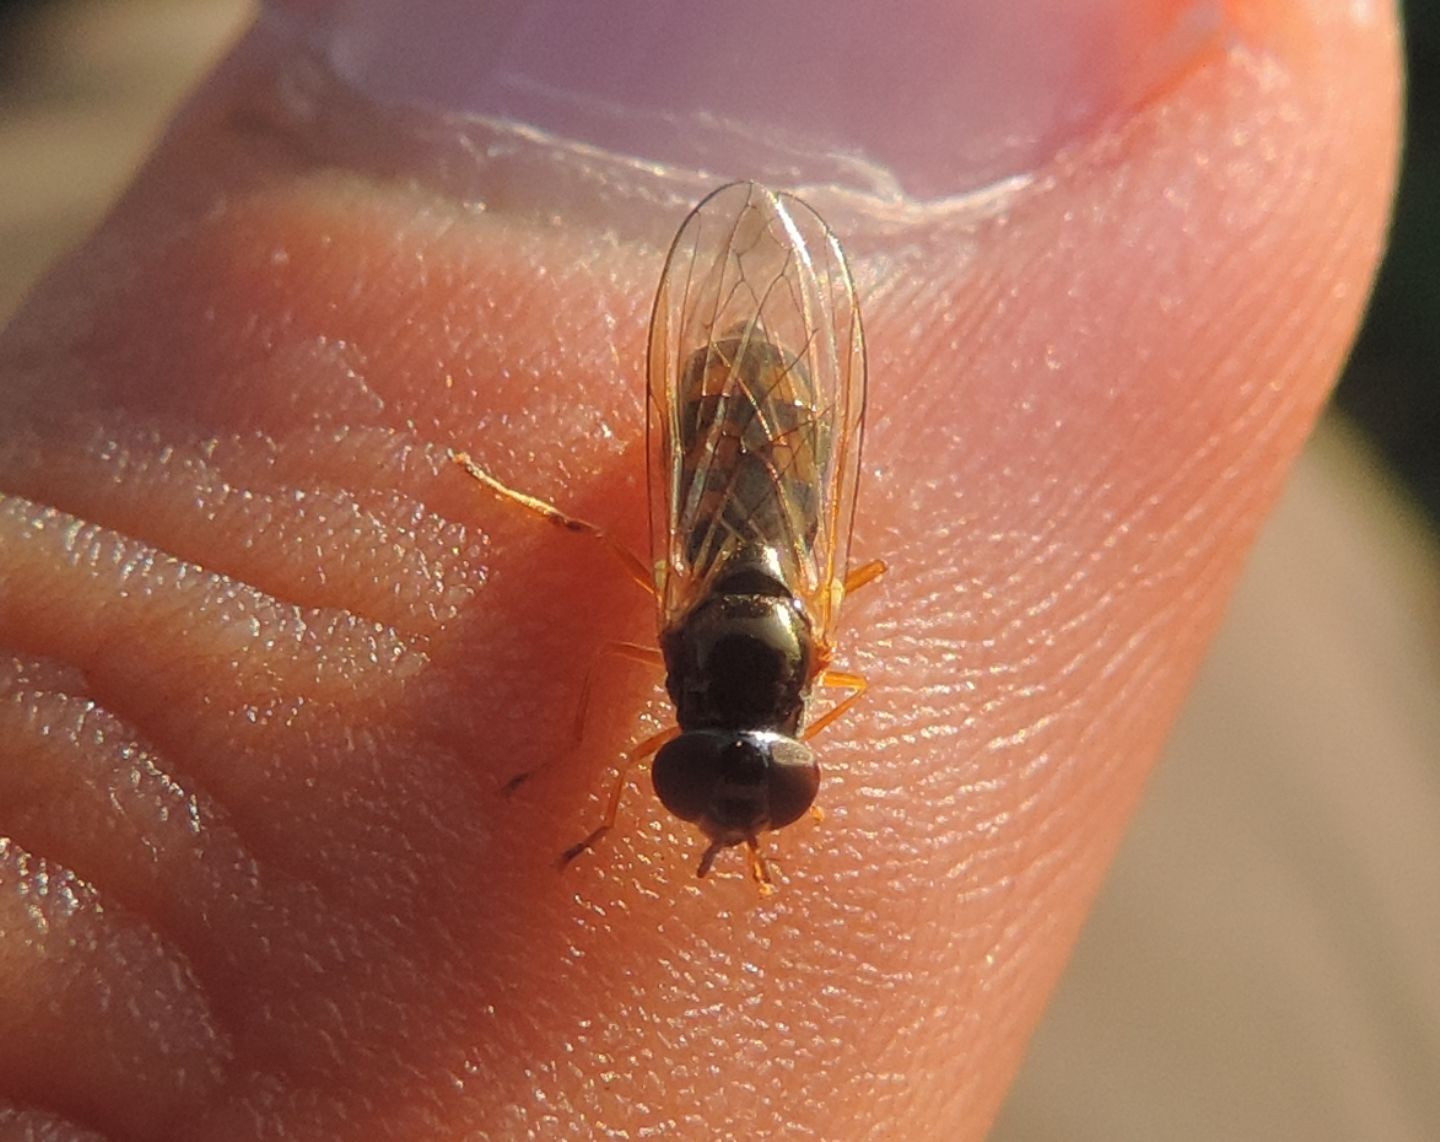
[
  {"x": 648, "y": 655},
  {"x": 857, "y": 686},
  {"x": 759, "y": 867},
  {"x": 638, "y": 569},
  {"x": 633, "y": 757},
  {"x": 865, "y": 573}
]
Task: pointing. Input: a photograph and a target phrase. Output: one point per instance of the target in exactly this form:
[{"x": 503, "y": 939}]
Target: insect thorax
[{"x": 741, "y": 659}]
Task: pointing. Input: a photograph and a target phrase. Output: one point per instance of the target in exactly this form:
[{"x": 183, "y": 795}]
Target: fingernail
[{"x": 933, "y": 99}]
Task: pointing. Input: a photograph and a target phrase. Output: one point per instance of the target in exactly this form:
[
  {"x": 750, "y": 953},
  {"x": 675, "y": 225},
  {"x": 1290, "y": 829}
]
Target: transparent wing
[{"x": 756, "y": 401}]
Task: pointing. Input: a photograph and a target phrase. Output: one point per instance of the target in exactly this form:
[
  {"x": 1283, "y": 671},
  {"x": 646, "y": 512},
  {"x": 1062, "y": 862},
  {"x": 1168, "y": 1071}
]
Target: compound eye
[
  {"x": 735, "y": 784},
  {"x": 686, "y": 771},
  {"x": 794, "y": 780}
]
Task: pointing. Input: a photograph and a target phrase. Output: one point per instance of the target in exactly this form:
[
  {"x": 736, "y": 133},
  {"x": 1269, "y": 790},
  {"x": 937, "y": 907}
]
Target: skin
[{"x": 274, "y": 657}]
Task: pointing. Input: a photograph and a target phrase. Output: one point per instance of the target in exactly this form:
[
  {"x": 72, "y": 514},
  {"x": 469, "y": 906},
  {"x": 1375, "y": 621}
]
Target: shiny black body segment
[{"x": 737, "y": 670}]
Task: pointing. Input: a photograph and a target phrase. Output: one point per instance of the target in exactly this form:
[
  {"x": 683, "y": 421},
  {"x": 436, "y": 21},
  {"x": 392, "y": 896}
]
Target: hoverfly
[{"x": 754, "y": 421}]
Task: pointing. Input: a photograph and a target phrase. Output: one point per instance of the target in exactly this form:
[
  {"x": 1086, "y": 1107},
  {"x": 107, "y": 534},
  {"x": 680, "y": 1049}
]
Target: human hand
[{"x": 274, "y": 657}]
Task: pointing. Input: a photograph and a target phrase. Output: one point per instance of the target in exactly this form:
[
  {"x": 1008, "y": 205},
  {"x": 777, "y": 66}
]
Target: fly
[{"x": 755, "y": 412}]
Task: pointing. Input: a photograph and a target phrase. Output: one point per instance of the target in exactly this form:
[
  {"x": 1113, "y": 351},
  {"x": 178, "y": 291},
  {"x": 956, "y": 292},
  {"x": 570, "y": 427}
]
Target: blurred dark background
[{"x": 1390, "y": 387}]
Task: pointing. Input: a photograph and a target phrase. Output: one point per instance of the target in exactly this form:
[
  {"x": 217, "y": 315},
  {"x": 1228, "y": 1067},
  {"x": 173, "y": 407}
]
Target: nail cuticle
[{"x": 928, "y": 108}]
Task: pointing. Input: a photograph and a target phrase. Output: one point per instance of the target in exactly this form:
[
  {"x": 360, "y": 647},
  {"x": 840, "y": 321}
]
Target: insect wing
[{"x": 756, "y": 401}]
